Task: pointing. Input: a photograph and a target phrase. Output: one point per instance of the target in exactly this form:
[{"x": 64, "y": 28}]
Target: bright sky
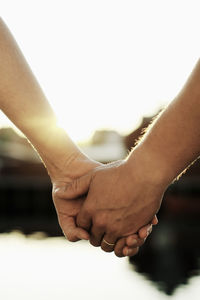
[{"x": 106, "y": 63}]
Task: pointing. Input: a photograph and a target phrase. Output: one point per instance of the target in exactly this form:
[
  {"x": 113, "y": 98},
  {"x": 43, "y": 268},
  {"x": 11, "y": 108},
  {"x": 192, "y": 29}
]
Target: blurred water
[{"x": 52, "y": 268}]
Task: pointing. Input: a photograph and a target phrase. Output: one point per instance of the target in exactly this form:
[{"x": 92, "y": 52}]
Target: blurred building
[
  {"x": 106, "y": 146},
  {"x": 25, "y": 188}
]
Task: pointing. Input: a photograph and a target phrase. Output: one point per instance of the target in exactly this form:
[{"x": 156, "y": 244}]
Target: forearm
[
  {"x": 173, "y": 140},
  {"x": 25, "y": 104}
]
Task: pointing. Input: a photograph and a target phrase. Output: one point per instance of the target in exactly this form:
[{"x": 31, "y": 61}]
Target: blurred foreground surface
[{"x": 52, "y": 268}]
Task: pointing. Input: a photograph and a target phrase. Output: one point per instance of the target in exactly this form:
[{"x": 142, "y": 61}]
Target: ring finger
[
  {"x": 108, "y": 243},
  {"x": 96, "y": 236}
]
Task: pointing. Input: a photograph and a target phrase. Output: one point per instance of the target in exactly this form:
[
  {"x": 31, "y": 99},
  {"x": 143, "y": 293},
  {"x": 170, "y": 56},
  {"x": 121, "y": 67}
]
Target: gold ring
[{"x": 109, "y": 244}]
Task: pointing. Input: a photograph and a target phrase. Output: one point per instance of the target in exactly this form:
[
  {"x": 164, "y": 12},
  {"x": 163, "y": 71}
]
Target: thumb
[
  {"x": 70, "y": 229},
  {"x": 78, "y": 187}
]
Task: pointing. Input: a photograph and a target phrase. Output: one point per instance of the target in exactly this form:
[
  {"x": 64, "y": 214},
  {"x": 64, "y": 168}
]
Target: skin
[
  {"x": 68, "y": 209},
  {"x": 124, "y": 196},
  {"x": 25, "y": 104},
  {"x": 108, "y": 207}
]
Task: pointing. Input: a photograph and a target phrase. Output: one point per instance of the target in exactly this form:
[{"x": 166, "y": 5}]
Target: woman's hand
[{"x": 68, "y": 209}]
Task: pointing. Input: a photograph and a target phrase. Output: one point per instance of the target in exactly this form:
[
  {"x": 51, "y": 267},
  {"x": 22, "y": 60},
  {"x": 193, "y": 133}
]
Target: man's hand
[
  {"x": 118, "y": 203},
  {"x": 68, "y": 208},
  {"x": 129, "y": 246}
]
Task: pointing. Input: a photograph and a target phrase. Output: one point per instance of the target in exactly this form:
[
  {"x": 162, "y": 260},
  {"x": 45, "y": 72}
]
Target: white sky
[{"x": 105, "y": 64}]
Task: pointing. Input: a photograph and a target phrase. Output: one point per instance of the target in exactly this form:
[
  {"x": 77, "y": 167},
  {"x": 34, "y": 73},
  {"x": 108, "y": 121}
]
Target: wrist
[
  {"x": 61, "y": 157},
  {"x": 151, "y": 167},
  {"x": 58, "y": 152},
  {"x": 69, "y": 165}
]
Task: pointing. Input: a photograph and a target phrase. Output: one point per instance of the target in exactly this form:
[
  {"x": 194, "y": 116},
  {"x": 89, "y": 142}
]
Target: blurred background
[{"x": 107, "y": 68}]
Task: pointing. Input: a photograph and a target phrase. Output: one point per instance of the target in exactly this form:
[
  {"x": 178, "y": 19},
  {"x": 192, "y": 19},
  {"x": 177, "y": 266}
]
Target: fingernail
[
  {"x": 133, "y": 242},
  {"x": 128, "y": 251},
  {"x": 149, "y": 230},
  {"x": 156, "y": 220}
]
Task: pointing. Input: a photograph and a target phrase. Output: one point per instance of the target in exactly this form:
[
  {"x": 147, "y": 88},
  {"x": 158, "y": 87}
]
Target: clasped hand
[{"x": 106, "y": 205}]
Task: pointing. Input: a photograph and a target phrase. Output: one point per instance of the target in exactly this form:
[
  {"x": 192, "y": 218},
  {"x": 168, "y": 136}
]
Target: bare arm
[
  {"x": 172, "y": 142},
  {"x": 23, "y": 101},
  {"x": 25, "y": 104},
  {"x": 128, "y": 194}
]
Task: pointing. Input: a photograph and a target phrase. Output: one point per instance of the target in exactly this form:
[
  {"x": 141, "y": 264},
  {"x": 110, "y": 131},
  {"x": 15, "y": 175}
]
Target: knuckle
[
  {"x": 71, "y": 238},
  {"x": 113, "y": 230},
  {"x": 57, "y": 192},
  {"x": 94, "y": 243},
  {"x": 99, "y": 222}
]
